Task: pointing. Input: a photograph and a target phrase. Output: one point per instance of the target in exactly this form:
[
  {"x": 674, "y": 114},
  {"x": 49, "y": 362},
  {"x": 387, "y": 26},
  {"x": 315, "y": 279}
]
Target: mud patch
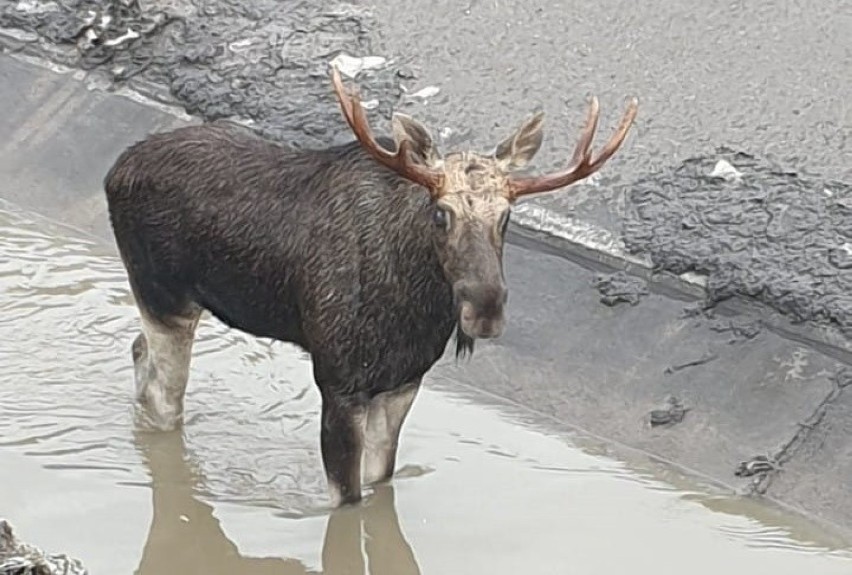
[
  {"x": 264, "y": 61},
  {"x": 620, "y": 288},
  {"x": 781, "y": 237}
]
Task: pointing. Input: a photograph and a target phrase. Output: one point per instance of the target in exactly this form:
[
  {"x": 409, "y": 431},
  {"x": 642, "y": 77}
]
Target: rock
[
  {"x": 672, "y": 412},
  {"x": 620, "y": 288},
  {"x": 19, "y": 558}
]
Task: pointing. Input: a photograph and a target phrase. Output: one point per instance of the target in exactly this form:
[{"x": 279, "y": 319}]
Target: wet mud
[
  {"x": 619, "y": 288},
  {"x": 482, "y": 486},
  {"x": 752, "y": 229},
  {"x": 265, "y": 62}
]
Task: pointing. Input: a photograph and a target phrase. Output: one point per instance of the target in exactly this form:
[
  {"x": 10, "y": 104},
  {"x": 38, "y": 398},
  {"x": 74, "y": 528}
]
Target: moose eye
[{"x": 441, "y": 218}]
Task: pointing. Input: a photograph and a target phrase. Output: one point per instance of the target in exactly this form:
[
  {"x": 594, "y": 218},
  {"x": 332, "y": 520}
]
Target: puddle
[{"x": 481, "y": 489}]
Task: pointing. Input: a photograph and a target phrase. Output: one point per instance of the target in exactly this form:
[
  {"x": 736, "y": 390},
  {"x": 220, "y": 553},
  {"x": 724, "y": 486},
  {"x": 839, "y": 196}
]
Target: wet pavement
[{"x": 484, "y": 486}]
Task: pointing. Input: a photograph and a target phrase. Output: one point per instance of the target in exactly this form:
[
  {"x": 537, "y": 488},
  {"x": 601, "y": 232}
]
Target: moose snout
[{"x": 480, "y": 308}]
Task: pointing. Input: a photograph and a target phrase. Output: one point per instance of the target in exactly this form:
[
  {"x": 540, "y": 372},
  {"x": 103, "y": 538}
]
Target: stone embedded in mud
[
  {"x": 843, "y": 378},
  {"x": 18, "y": 558},
  {"x": 770, "y": 234},
  {"x": 760, "y": 464},
  {"x": 673, "y": 411},
  {"x": 620, "y": 288},
  {"x": 741, "y": 329}
]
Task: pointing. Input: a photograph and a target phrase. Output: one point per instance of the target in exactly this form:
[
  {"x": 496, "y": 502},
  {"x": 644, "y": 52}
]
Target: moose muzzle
[{"x": 480, "y": 307}]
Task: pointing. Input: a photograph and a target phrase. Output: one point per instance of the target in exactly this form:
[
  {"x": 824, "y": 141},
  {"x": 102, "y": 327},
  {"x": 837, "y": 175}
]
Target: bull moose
[{"x": 367, "y": 259}]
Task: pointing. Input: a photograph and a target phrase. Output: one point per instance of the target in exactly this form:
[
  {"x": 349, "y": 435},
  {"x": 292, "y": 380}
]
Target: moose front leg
[
  {"x": 385, "y": 416},
  {"x": 341, "y": 440}
]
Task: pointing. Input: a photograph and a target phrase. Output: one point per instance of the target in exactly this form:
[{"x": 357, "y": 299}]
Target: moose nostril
[{"x": 467, "y": 313}]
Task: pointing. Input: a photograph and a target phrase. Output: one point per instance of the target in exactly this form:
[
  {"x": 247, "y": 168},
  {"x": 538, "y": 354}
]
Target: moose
[{"x": 366, "y": 258}]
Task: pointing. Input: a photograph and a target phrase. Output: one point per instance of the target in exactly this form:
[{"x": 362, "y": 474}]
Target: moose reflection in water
[{"x": 197, "y": 544}]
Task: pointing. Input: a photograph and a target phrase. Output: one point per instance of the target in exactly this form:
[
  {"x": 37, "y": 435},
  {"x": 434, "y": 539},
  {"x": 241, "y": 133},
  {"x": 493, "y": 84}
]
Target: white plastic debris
[
  {"x": 351, "y": 66},
  {"x": 370, "y": 104},
  {"x": 726, "y": 171},
  {"x": 426, "y": 92},
  {"x": 129, "y": 35},
  {"x": 90, "y": 17},
  {"x": 184, "y": 518},
  {"x": 593, "y": 179},
  {"x": 33, "y": 7},
  {"x": 240, "y": 45}
]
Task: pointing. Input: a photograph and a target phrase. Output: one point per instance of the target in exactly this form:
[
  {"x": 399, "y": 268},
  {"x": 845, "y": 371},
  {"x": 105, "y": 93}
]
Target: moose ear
[
  {"x": 407, "y": 128},
  {"x": 518, "y": 149}
]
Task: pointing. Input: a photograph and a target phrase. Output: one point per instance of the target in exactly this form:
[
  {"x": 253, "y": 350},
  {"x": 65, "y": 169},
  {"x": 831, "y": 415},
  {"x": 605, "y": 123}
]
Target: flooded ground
[{"x": 482, "y": 486}]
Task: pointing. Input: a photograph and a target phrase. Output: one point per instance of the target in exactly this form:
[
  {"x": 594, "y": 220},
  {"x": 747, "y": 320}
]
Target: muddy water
[{"x": 482, "y": 488}]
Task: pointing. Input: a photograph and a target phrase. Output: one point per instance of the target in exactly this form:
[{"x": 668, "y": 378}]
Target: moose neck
[{"x": 391, "y": 219}]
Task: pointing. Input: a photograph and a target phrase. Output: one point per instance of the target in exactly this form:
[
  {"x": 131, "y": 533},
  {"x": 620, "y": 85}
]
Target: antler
[
  {"x": 582, "y": 164},
  {"x": 400, "y": 162}
]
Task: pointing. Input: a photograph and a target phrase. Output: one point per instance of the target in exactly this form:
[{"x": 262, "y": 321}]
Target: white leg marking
[
  {"x": 385, "y": 417},
  {"x": 161, "y": 365},
  {"x": 334, "y": 495}
]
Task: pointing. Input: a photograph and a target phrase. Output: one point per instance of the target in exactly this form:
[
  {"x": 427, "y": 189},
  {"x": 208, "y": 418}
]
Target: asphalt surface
[{"x": 767, "y": 82}]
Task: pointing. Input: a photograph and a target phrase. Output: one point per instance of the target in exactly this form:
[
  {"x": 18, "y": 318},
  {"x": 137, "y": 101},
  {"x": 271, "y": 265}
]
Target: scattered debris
[
  {"x": 33, "y": 7},
  {"x": 263, "y": 63},
  {"x": 773, "y": 235},
  {"x": 695, "y": 310},
  {"x": 706, "y": 358},
  {"x": 842, "y": 378},
  {"x": 19, "y": 558},
  {"x": 129, "y": 35},
  {"x": 741, "y": 329},
  {"x": 759, "y": 464},
  {"x": 672, "y": 412},
  {"x": 425, "y": 93},
  {"x": 351, "y": 66},
  {"x": 406, "y": 73},
  {"x": 620, "y": 288},
  {"x": 726, "y": 171},
  {"x": 841, "y": 257}
]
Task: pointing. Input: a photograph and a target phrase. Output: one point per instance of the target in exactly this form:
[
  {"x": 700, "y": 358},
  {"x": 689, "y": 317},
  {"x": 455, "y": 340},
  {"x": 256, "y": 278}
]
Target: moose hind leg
[
  {"x": 161, "y": 358},
  {"x": 385, "y": 416}
]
